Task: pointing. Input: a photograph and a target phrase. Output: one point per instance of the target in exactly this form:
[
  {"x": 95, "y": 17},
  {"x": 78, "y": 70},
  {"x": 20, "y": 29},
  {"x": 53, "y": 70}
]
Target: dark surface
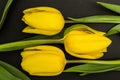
[{"x": 12, "y": 31}]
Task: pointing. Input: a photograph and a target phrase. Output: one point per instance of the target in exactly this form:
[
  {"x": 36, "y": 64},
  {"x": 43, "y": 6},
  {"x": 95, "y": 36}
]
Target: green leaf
[
  {"x": 97, "y": 19},
  {"x": 93, "y": 68},
  {"x": 5, "y": 75},
  {"x": 79, "y": 27},
  {"x": 74, "y": 27},
  {"x": 114, "y": 30},
  {"x": 112, "y": 7},
  {"x": 13, "y": 71},
  {"x": 4, "y": 15},
  {"x": 117, "y": 69}
]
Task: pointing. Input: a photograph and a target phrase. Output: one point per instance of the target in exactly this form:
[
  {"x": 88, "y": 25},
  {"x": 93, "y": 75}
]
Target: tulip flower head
[
  {"x": 43, "y": 20},
  {"x": 84, "y": 43},
  {"x": 43, "y": 60}
]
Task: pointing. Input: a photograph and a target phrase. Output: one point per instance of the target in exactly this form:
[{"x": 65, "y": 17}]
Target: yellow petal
[
  {"x": 85, "y": 43},
  {"x": 90, "y": 55},
  {"x": 41, "y": 49},
  {"x": 40, "y": 9},
  {"x": 39, "y": 31},
  {"x": 44, "y": 20},
  {"x": 103, "y": 50}
]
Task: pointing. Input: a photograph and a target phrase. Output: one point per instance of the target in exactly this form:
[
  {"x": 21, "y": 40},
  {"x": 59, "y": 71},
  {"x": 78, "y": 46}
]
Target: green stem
[
  {"x": 95, "y": 61},
  {"x": 28, "y": 43},
  {"x": 9, "y": 2},
  {"x": 70, "y": 21}
]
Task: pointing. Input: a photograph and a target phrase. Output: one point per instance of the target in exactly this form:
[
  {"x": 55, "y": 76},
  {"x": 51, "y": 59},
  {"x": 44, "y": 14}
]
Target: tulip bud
[
  {"x": 43, "y": 20},
  {"x": 84, "y": 43},
  {"x": 43, "y": 60}
]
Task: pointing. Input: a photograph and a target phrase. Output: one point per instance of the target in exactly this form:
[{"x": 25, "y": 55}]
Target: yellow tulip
[
  {"x": 84, "y": 43},
  {"x": 43, "y": 60},
  {"x": 43, "y": 20}
]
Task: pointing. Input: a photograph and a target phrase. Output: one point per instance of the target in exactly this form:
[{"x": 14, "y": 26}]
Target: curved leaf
[
  {"x": 5, "y": 75},
  {"x": 97, "y": 19},
  {"x": 79, "y": 27},
  {"x": 93, "y": 68},
  {"x": 9, "y": 2},
  {"x": 114, "y": 30},
  {"x": 13, "y": 71},
  {"x": 112, "y": 7}
]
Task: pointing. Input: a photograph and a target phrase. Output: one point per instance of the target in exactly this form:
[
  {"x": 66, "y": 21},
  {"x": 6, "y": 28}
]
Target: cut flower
[
  {"x": 86, "y": 43},
  {"x": 43, "y": 60},
  {"x": 43, "y": 20}
]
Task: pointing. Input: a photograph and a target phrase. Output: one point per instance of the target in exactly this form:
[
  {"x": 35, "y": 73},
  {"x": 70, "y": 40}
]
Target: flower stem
[
  {"x": 70, "y": 21},
  {"x": 95, "y": 61},
  {"x": 28, "y": 43}
]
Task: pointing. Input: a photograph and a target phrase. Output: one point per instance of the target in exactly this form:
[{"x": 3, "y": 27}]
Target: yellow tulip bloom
[
  {"x": 43, "y": 60},
  {"x": 83, "y": 43},
  {"x": 43, "y": 20}
]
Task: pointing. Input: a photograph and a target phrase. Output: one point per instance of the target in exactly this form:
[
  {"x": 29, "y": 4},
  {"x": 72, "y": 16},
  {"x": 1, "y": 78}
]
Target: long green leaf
[
  {"x": 112, "y": 7},
  {"x": 13, "y": 71},
  {"x": 93, "y": 68},
  {"x": 114, "y": 30},
  {"x": 4, "y": 15},
  {"x": 5, "y": 75},
  {"x": 97, "y": 19}
]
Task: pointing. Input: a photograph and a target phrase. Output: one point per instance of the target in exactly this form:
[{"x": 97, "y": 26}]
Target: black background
[{"x": 12, "y": 31}]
